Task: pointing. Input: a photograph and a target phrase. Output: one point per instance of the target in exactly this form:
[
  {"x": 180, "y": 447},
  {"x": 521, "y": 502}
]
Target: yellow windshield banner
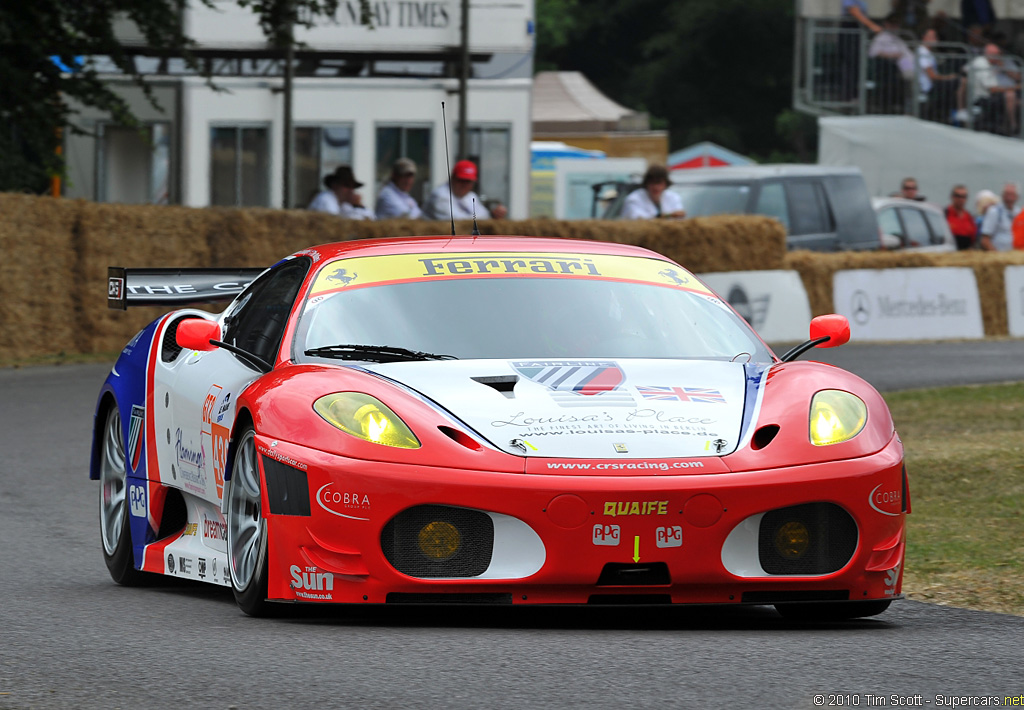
[{"x": 377, "y": 270}]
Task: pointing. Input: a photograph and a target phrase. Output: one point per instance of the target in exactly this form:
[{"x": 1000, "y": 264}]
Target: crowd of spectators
[
  {"x": 956, "y": 72},
  {"x": 996, "y": 224},
  {"x": 452, "y": 200}
]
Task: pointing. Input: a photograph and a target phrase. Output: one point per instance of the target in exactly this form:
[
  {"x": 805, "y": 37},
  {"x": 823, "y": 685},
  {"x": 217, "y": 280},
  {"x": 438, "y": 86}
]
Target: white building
[{"x": 361, "y": 96}]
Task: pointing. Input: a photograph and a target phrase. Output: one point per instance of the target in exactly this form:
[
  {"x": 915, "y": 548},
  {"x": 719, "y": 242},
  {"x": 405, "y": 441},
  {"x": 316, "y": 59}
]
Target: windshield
[
  {"x": 459, "y": 313},
  {"x": 719, "y": 198}
]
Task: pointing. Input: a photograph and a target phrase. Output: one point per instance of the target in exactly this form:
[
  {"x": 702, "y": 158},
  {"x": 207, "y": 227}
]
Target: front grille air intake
[
  {"x": 814, "y": 538},
  {"x": 431, "y": 541}
]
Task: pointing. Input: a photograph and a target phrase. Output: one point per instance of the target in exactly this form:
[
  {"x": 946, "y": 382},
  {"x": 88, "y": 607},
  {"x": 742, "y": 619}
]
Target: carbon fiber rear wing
[{"x": 173, "y": 287}]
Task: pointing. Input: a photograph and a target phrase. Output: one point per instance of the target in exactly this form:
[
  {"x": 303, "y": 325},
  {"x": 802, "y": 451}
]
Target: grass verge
[{"x": 965, "y": 459}]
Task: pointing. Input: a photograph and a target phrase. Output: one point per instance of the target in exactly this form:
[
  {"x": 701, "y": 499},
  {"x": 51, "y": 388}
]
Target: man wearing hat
[
  {"x": 464, "y": 202},
  {"x": 394, "y": 199},
  {"x": 340, "y": 196},
  {"x": 653, "y": 199}
]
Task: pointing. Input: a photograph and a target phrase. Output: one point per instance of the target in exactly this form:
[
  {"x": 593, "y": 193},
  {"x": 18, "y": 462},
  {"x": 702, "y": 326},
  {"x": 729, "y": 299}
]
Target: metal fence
[{"x": 836, "y": 74}]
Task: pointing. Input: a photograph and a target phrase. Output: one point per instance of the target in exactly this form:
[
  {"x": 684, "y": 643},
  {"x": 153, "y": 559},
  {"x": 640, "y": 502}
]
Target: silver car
[{"x": 909, "y": 225}]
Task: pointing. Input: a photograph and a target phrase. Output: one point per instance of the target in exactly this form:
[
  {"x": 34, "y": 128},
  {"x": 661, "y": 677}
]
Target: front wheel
[
  {"x": 832, "y": 611},
  {"x": 114, "y": 529},
  {"x": 247, "y": 530}
]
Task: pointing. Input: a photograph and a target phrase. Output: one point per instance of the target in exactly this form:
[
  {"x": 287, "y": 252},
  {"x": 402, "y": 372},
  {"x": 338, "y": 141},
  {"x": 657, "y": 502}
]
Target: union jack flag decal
[
  {"x": 135, "y": 435},
  {"x": 682, "y": 394}
]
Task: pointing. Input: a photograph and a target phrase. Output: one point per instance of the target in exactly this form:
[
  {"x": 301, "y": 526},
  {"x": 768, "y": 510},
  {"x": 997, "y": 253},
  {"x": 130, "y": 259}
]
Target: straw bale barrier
[{"x": 56, "y": 253}]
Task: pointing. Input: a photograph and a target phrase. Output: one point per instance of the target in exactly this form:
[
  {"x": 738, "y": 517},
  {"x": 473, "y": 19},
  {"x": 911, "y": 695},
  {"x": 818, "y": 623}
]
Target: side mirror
[
  {"x": 834, "y": 326},
  {"x": 890, "y": 241},
  {"x": 196, "y": 334},
  {"x": 829, "y": 331}
]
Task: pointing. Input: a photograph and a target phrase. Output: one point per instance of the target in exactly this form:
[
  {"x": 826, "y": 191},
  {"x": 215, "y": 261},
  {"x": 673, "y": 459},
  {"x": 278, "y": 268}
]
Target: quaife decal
[
  {"x": 335, "y": 501},
  {"x": 619, "y": 508},
  {"x": 574, "y": 383},
  {"x": 308, "y": 583}
]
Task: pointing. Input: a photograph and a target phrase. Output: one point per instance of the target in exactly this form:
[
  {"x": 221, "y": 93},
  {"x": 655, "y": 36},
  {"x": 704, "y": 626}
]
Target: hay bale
[{"x": 40, "y": 278}]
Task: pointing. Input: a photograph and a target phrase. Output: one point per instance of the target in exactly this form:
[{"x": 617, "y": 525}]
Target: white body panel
[{"x": 650, "y": 409}]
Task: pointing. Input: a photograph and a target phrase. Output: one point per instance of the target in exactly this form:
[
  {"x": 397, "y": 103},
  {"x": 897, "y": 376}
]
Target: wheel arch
[{"x": 106, "y": 400}]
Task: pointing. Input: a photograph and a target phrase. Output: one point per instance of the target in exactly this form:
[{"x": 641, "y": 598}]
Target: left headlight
[
  {"x": 836, "y": 416},
  {"x": 367, "y": 418}
]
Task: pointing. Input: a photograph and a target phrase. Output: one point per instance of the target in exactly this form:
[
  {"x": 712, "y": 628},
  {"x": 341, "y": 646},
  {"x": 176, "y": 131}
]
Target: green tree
[
  {"x": 716, "y": 70},
  {"x": 47, "y": 51}
]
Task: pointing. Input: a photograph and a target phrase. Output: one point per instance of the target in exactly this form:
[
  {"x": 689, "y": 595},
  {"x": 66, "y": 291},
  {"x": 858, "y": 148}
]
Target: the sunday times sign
[{"x": 909, "y": 304}]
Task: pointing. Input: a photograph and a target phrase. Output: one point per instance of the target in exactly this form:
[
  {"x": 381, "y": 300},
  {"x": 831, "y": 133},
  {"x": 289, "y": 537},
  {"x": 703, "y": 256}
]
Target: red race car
[{"x": 503, "y": 420}]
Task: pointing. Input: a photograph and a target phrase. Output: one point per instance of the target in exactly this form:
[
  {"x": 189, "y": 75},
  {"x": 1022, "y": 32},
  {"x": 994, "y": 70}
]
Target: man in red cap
[
  {"x": 340, "y": 197},
  {"x": 463, "y": 201}
]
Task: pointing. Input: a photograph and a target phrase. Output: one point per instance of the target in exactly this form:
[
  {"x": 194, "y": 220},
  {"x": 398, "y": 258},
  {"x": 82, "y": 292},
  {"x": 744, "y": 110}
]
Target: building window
[
  {"x": 133, "y": 165},
  {"x": 413, "y": 142},
  {"x": 239, "y": 166},
  {"x": 318, "y": 150},
  {"x": 490, "y": 147}
]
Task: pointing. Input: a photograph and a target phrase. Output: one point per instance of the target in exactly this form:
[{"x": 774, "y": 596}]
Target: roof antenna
[
  {"x": 448, "y": 162},
  {"x": 476, "y": 229}
]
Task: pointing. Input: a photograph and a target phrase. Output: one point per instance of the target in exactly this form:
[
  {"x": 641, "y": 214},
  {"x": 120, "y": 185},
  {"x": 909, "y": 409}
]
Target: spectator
[
  {"x": 961, "y": 222},
  {"x": 908, "y": 190},
  {"x": 938, "y": 91},
  {"x": 394, "y": 199},
  {"x": 854, "y": 17},
  {"x": 653, "y": 199},
  {"x": 340, "y": 196},
  {"x": 456, "y": 199},
  {"x": 993, "y": 91},
  {"x": 888, "y": 45},
  {"x": 891, "y": 64},
  {"x": 997, "y": 225},
  {"x": 982, "y": 201},
  {"x": 977, "y": 13}
]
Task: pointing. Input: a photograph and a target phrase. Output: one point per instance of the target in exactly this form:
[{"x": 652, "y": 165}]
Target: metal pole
[
  {"x": 463, "y": 82},
  {"x": 289, "y": 60}
]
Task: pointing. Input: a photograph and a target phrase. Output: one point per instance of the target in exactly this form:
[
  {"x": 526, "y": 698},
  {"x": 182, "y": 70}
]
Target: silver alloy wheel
[
  {"x": 112, "y": 483},
  {"x": 245, "y": 523}
]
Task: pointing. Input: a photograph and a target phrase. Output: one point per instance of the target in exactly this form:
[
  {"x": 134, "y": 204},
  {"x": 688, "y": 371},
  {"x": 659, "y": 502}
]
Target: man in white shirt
[
  {"x": 340, "y": 197},
  {"x": 394, "y": 199},
  {"x": 464, "y": 201},
  {"x": 997, "y": 224},
  {"x": 653, "y": 199}
]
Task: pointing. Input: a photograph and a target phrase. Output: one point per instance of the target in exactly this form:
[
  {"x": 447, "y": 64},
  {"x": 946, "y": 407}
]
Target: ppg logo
[
  {"x": 669, "y": 537},
  {"x": 137, "y": 500},
  {"x": 606, "y": 535}
]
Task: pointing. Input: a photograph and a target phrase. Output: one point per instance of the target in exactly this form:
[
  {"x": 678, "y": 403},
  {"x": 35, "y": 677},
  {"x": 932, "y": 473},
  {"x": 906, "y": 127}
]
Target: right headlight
[
  {"x": 367, "y": 418},
  {"x": 835, "y": 417}
]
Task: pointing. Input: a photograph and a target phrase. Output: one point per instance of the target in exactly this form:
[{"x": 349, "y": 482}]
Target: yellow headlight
[
  {"x": 366, "y": 417},
  {"x": 836, "y": 416},
  {"x": 792, "y": 540},
  {"x": 439, "y": 540}
]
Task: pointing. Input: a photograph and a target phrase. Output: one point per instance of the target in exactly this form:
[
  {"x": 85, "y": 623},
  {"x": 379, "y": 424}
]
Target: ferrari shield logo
[
  {"x": 578, "y": 383},
  {"x": 135, "y": 435}
]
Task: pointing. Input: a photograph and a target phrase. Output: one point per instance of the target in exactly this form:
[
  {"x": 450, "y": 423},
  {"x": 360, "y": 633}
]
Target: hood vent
[{"x": 502, "y": 383}]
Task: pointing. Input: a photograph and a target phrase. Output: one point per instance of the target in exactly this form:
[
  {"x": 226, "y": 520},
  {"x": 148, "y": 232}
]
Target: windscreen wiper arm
[{"x": 374, "y": 353}]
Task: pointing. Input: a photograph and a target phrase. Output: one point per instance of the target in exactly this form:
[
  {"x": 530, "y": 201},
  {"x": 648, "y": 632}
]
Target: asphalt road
[{"x": 70, "y": 638}]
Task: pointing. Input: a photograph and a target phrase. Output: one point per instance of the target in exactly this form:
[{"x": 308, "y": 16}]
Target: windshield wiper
[{"x": 374, "y": 353}]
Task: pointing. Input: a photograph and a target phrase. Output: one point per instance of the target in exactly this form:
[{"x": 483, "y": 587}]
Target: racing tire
[
  {"x": 247, "y": 530},
  {"x": 115, "y": 531},
  {"x": 832, "y": 611}
]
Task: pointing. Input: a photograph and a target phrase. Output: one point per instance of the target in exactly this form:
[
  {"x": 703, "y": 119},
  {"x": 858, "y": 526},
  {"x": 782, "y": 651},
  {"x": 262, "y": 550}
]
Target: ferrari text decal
[{"x": 373, "y": 270}]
